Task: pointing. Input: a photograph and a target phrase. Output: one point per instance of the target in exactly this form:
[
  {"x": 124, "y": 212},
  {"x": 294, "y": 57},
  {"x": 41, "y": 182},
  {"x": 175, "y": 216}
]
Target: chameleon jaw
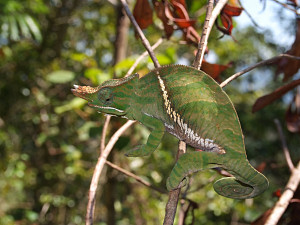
[{"x": 84, "y": 91}]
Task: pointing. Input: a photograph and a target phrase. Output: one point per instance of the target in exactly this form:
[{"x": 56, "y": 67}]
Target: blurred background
[{"x": 49, "y": 139}]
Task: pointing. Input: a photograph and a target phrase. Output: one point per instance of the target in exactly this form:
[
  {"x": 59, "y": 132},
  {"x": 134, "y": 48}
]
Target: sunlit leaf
[
  {"x": 33, "y": 27},
  {"x": 60, "y": 76},
  {"x": 73, "y": 104}
]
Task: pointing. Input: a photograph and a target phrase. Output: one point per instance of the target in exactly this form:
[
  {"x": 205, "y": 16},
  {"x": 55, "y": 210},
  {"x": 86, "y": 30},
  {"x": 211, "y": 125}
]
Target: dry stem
[
  {"x": 159, "y": 41},
  {"x": 141, "y": 34},
  {"x": 97, "y": 172},
  {"x": 137, "y": 178},
  {"x": 284, "y": 146},
  {"x": 207, "y": 28},
  {"x": 285, "y": 198},
  {"x": 262, "y": 63},
  {"x": 174, "y": 195}
]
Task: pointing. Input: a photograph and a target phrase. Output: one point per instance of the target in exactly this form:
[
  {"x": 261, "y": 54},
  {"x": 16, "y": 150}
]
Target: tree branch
[
  {"x": 262, "y": 63},
  {"x": 208, "y": 24},
  {"x": 98, "y": 170},
  {"x": 137, "y": 178},
  {"x": 174, "y": 194},
  {"x": 284, "y": 146},
  {"x": 285, "y": 198},
  {"x": 103, "y": 135},
  {"x": 141, "y": 34},
  {"x": 204, "y": 36},
  {"x": 287, "y": 7},
  {"x": 159, "y": 41}
]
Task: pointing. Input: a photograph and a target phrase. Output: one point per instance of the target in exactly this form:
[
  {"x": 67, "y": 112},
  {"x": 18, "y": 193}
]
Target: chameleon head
[{"x": 103, "y": 99}]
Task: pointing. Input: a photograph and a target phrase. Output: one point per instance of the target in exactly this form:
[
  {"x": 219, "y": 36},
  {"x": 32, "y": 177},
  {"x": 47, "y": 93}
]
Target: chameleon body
[{"x": 190, "y": 105}]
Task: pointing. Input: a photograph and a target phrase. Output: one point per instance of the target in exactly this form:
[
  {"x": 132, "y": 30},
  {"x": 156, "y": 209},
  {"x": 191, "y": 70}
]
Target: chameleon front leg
[{"x": 157, "y": 132}]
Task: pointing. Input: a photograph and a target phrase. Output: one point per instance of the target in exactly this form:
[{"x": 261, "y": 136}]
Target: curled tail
[{"x": 246, "y": 183}]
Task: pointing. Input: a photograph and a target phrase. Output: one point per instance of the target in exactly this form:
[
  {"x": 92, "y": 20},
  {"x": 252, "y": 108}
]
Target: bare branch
[
  {"x": 137, "y": 178},
  {"x": 262, "y": 63},
  {"x": 199, "y": 57},
  {"x": 285, "y": 198},
  {"x": 98, "y": 170},
  {"x": 204, "y": 36},
  {"x": 284, "y": 146},
  {"x": 174, "y": 194},
  {"x": 159, "y": 41},
  {"x": 141, "y": 34},
  {"x": 287, "y": 7},
  {"x": 103, "y": 135}
]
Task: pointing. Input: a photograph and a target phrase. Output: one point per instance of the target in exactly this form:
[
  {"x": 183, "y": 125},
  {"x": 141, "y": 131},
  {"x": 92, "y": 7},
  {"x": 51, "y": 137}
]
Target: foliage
[{"x": 49, "y": 140}]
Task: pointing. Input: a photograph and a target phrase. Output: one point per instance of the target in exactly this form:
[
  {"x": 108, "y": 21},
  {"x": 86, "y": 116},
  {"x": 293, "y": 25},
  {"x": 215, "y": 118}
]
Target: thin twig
[
  {"x": 98, "y": 170},
  {"x": 285, "y": 198},
  {"x": 137, "y": 178},
  {"x": 262, "y": 63},
  {"x": 141, "y": 34},
  {"x": 174, "y": 195},
  {"x": 219, "y": 6},
  {"x": 249, "y": 15},
  {"x": 284, "y": 146},
  {"x": 204, "y": 36},
  {"x": 159, "y": 41},
  {"x": 287, "y": 7},
  {"x": 103, "y": 135}
]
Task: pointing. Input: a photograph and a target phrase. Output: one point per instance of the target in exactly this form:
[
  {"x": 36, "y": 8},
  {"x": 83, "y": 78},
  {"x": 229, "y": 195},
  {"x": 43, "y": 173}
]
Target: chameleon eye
[{"x": 105, "y": 96}]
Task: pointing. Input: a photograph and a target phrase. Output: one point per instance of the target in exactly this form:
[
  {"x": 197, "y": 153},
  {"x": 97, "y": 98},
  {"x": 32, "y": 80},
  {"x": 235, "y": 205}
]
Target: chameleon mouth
[
  {"x": 106, "y": 107},
  {"x": 83, "y": 91}
]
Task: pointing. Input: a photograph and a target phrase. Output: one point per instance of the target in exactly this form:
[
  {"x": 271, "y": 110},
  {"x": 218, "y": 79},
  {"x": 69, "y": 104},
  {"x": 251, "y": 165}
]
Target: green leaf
[
  {"x": 73, "y": 104},
  {"x": 23, "y": 26},
  {"x": 96, "y": 75},
  {"x": 60, "y": 76},
  {"x": 33, "y": 27}
]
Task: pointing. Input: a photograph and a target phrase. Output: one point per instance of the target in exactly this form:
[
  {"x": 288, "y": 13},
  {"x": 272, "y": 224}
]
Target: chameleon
[{"x": 190, "y": 105}]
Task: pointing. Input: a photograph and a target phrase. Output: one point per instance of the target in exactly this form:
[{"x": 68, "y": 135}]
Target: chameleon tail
[{"x": 247, "y": 182}]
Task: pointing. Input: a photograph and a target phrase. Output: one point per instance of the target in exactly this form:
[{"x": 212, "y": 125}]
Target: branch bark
[
  {"x": 285, "y": 198},
  {"x": 98, "y": 170},
  {"x": 174, "y": 195},
  {"x": 207, "y": 29},
  {"x": 204, "y": 36},
  {"x": 141, "y": 34},
  {"x": 284, "y": 146},
  {"x": 262, "y": 63},
  {"x": 137, "y": 178}
]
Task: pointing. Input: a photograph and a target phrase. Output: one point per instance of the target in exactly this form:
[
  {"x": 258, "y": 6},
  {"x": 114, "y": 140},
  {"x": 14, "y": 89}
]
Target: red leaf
[
  {"x": 261, "y": 167},
  {"x": 232, "y": 10},
  {"x": 277, "y": 193},
  {"x": 214, "y": 70},
  {"x": 268, "y": 99},
  {"x": 227, "y": 13},
  {"x": 292, "y": 115},
  {"x": 290, "y": 66},
  {"x": 142, "y": 13},
  {"x": 160, "y": 9}
]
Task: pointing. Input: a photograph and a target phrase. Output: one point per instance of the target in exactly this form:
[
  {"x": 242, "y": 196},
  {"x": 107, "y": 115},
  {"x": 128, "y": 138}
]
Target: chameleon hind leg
[
  {"x": 157, "y": 132},
  {"x": 189, "y": 163}
]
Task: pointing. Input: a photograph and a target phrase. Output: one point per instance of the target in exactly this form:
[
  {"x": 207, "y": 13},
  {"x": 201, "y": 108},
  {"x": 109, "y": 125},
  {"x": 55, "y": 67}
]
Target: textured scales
[{"x": 191, "y": 106}]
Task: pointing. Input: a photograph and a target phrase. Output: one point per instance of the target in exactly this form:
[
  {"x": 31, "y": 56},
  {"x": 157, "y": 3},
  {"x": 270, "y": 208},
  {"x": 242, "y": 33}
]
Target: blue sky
[{"x": 268, "y": 18}]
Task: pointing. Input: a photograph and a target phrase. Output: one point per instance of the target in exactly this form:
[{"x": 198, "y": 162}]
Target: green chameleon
[{"x": 190, "y": 105}]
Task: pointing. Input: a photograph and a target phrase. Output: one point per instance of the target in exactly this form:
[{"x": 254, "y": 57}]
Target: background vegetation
[{"x": 49, "y": 140}]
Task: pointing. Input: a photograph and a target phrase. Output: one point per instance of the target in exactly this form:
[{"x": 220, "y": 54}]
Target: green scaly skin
[{"x": 191, "y": 106}]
